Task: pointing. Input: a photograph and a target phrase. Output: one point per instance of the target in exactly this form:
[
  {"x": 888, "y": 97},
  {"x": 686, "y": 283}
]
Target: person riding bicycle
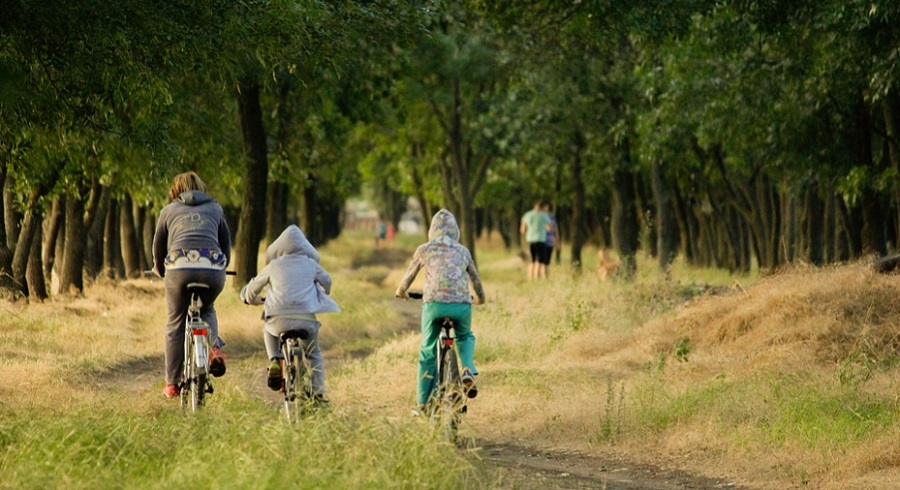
[
  {"x": 448, "y": 268},
  {"x": 297, "y": 289},
  {"x": 192, "y": 243}
]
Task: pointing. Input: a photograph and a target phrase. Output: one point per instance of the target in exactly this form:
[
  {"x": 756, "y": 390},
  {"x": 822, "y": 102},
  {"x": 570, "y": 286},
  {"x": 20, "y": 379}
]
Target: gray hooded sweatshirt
[
  {"x": 193, "y": 221},
  {"x": 296, "y": 283}
]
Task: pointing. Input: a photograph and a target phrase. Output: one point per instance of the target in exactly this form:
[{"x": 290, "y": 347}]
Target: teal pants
[{"x": 431, "y": 332}]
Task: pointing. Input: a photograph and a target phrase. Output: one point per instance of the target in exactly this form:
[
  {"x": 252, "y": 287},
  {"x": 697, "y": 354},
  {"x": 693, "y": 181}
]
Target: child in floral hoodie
[{"x": 448, "y": 268}]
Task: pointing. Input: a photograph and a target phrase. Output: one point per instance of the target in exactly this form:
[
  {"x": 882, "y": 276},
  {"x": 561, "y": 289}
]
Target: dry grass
[{"x": 785, "y": 381}]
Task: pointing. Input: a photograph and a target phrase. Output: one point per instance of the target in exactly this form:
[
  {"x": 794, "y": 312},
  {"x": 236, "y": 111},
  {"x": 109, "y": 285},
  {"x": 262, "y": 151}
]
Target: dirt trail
[
  {"x": 525, "y": 468},
  {"x": 513, "y": 467}
]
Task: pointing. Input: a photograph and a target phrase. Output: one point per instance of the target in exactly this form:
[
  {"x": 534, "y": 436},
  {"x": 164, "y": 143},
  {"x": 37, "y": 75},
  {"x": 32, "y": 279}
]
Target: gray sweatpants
[
  {"x": 177, "y": 300},
  {"x": 276, "y": 325}
]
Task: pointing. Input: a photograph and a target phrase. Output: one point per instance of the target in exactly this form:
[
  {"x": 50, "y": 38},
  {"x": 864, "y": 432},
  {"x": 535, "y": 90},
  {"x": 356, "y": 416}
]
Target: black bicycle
[
  {"x": 449, "y": 402},
  {"x": 296, "y": 375}
]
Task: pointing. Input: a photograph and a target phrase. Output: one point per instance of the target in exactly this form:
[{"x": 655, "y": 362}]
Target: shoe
[
  {"x": 320, "y": 402},
  {"x": 171, "y": 391},
  {"x": 418, "y": 411},
  {"x": 468, "y": 380},
  {"x": 217, "y": 363},
  {"x": 274, "y": 380}
]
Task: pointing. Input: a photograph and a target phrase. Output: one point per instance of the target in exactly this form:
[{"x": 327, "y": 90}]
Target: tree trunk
[
  {"x": 256, "y": 171},
  {"x": 111, "y": 241},
  {"x": 419, "y": 186},
  {"x": 625, "y": 231},
  {"x": 6, "y": 253},
  {"x": 54, "y": 224},
  {"x": 12, "y": 218},
  {"x": 30, "y": 224},
  {"x": 34, "y": 272},
  {"x": 93, "y": 259},
  {"x": 666, "y": 221},
  {"x": 129, "y": 239},
  {"x": 71, "y": 280},
  {"x": 276, "y": 210},
  {"x": 141, "y": 215},
  {"x": 815, "y": 226},
  {"x": 789, "y": 233},
  {"x": 891, "y": 110},
  {"x": 578, "y": 199},
  {"x": 308, "y": 215},
  {"x": 148, "y": 229},
  {"x": 829, "y": 227}
]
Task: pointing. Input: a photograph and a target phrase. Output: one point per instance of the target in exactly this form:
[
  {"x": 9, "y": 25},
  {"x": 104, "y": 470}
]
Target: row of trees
[
  {"x": 731, "y": 132},
  {"x": 734, "y": 132}
]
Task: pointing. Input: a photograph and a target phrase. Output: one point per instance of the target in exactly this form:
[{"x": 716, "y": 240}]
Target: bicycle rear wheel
[
  {"x": 296, "y": 380},
  {"x": 195, "y": 379},
  {"x": 450, "y": 398}
]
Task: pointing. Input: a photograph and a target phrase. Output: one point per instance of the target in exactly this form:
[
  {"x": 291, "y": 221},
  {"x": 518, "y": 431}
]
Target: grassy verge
[{"x": 784, "y": 381}]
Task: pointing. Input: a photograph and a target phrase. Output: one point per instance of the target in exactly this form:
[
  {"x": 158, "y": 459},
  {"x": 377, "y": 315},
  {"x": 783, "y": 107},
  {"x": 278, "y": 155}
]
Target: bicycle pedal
[{"x": 209, "y": 388}]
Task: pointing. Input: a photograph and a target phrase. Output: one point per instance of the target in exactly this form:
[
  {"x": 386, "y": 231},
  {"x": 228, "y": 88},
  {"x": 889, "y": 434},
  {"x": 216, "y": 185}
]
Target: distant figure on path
[
  {"x": 534, "y": 226},
  {"x": 552, "y": 236}
]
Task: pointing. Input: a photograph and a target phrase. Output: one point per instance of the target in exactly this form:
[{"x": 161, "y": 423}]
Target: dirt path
[
  {"x": 512, "y": 466},
  {"x": 530, "y": 469}
]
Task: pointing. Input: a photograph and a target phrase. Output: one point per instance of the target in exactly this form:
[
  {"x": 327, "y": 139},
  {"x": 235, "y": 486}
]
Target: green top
[{"x": 536, "y": 225}]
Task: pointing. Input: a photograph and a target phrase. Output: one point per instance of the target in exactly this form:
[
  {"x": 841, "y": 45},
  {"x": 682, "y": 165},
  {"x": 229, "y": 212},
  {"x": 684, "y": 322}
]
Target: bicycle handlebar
[
  {"x": 418, "y": 295},
  {"x": 227, "y": 273}
]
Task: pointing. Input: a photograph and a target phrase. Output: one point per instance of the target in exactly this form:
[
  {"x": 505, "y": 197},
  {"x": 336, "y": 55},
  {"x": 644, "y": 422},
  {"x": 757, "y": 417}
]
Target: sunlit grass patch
[{"x": 238, "y": 442}]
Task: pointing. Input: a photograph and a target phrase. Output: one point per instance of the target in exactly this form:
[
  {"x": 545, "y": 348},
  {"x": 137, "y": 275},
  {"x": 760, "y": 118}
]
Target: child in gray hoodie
[{"x": 297, "y": 288}]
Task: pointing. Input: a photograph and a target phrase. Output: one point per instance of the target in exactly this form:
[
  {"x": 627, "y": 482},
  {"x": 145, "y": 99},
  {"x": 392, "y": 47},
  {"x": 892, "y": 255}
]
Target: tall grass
[{"x": 789, "y": 380}]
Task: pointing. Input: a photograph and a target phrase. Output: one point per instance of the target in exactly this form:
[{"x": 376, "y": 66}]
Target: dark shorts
[{"x": 540, "y": 252}]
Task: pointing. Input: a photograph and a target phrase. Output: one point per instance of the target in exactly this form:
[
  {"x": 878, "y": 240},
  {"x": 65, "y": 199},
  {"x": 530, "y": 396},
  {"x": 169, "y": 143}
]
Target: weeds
[{"x": 612, "y": 420}]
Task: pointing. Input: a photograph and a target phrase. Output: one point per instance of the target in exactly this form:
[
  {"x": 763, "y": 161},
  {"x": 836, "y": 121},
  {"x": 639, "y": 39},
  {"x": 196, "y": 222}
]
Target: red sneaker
[
  {"x": 217, "y": 363},
  {"x": 171, "y": 391}
]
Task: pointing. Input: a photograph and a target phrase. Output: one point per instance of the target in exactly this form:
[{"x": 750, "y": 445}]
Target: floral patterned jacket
[{"x": 448, "y": 265}]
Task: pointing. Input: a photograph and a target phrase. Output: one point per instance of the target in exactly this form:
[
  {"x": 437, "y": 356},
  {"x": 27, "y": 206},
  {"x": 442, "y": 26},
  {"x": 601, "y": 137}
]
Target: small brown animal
[{"x": 606, "y": 266}]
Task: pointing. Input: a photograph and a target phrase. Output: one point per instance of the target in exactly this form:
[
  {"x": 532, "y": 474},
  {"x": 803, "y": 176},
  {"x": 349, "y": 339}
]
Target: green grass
[
  {"x": 236, "y": 442},
  {"x": 773, "y": 410}
]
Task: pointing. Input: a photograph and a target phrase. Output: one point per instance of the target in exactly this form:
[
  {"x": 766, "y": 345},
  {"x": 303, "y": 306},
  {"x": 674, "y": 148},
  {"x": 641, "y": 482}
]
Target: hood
[
  {"x": 292, "y": 241},
  {"x": 443, "y": 227},
  {"x": 194, "y": 198}
]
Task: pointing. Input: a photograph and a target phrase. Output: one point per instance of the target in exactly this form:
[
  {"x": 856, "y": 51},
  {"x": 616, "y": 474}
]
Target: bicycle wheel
[
  {"x": 450, "y": 398},
  {"x": 198, "y": 392},
  {"x": 296, "y": 381},
  {"x": 186, "y": 370},
  {"x": 198, "y": 378}
]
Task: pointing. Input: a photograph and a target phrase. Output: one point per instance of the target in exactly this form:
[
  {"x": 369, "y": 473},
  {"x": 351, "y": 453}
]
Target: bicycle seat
[
  {"x": 295, "y": 334},
  {"x": 197, "y": 285}
]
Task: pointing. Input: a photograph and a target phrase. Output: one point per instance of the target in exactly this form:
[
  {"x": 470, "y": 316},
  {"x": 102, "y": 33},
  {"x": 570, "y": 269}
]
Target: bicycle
[
  {"x": 447, "y": 405},
  {"x": 296, "y": 375},
  {"x": 195, "y": 368},
  {"x": 195, "y": 383}
]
